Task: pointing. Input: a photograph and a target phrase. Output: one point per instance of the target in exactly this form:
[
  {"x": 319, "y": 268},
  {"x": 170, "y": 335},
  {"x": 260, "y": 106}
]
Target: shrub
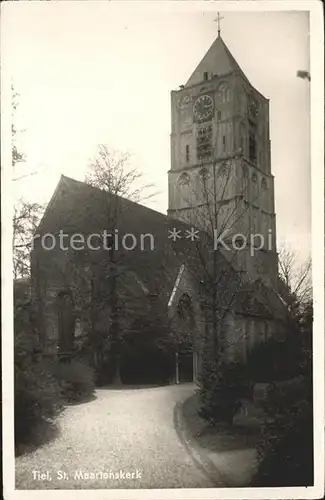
[
  {"x": 283, "y": 397},
  {"x": 274, "y": 361},
  {"x": 76, "y": 379},
  {"x": 36, "y": 392},
  {"x": 223, "y": 387},
  {"x": 286, "y": 447},
  {"x": 287, "y": 450}
]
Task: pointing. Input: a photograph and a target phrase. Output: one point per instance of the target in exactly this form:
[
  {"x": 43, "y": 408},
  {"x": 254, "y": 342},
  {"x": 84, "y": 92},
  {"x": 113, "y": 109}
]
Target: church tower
[{"x": 220, "y": 178}]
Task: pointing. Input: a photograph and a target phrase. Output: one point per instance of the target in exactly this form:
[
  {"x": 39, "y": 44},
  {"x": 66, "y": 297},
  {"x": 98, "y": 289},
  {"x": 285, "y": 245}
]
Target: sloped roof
[
  {"x": 256, "y": 299},
  {"x": 77, "y": 207},
  {"x": 79, "y": 204},
  {"x": 217, "y": 61}
]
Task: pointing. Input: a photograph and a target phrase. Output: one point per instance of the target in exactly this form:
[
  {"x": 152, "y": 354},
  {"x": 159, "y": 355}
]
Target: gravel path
[{"x": 125, "y": 438}]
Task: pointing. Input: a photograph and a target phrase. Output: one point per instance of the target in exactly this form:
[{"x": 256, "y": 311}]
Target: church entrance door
[
  {"x": 185, "y": 360},
  {"x": 144, "y": 364}
]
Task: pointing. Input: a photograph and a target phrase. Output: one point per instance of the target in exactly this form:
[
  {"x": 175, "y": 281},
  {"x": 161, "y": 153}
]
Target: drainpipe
[
  {"x": 177, "y": 367},
  {"x": 194, "y": 359}
]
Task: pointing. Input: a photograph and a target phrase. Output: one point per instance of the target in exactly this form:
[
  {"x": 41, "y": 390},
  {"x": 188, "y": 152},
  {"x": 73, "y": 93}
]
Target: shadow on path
[
  {"x": 130, "y": 387},
  {"x": 44, "y": 432},
  {"x": 226, "y": 453},
  {"x": 83, "y": 401},
  {"x": 221, "y": 438}
]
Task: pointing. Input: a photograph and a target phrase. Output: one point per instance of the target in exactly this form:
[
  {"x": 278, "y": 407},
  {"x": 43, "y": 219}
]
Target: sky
[{"x": 102, "y": 72}]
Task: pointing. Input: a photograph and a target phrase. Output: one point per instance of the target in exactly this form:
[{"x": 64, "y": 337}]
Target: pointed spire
[{"x": 218, "y": 60}]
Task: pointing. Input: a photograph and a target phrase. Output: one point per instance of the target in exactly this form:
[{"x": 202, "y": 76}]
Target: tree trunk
[
  {"x": 115, "y": 333},
  {"x": 117, "y": 376}
]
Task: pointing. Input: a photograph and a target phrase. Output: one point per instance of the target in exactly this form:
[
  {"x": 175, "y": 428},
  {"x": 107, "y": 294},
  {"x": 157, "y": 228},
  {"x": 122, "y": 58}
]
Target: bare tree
[
  {"x": 111, "y": 171},
  {"x": 214, "y": 272},
  {"x": 295, "y": 289},
  {"x": 295, "y": 277},
  {"x": 26, "y": 214},
  {"x": 17, "y": 156},
  {"x": 25, "y": 221}
]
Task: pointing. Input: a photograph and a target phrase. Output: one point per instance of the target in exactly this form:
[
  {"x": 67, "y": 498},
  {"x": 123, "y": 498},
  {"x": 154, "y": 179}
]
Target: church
[{"x": 209, "y": 265}]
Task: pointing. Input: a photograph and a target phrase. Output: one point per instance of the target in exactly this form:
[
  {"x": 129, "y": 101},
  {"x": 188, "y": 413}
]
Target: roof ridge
[
  {"x": 232, "y": 57},
  {"x": 131, "y": 202}
]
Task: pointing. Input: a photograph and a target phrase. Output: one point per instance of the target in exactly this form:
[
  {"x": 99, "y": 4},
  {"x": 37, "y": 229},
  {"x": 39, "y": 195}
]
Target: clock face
[{"x": 203, "y": 107}]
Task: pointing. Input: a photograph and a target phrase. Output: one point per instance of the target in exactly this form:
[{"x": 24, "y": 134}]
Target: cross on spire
[{"x": 217, "y": 20}]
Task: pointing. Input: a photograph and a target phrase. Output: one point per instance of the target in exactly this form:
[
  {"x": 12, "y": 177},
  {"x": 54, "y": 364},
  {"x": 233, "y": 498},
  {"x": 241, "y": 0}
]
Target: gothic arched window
[
  {"x": 223, "y": 92},
  {"x": 223, "y": 169},
  {"x": 184, "y": 307},
  {"x": 222, "y": 87},
  {"x": 184, "y": 180},
  {"x": 185, "y": 320},
  {"x": 204, "y": 142},
  {"x": 264, "y": 183},
  {"x": 187, "y": 153},
  {"x": 254, "y": 189},
  {"x": 204, "y": 174}
]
